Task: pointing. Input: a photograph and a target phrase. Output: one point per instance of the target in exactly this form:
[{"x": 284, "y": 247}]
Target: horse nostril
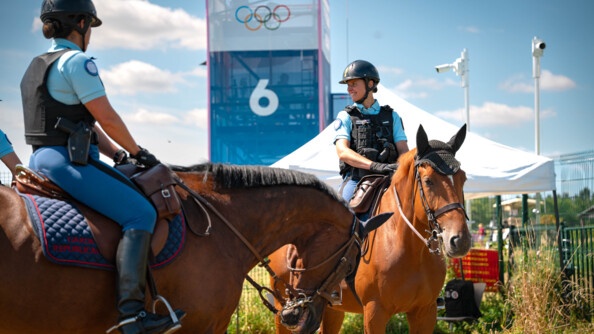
[{"x": 454, "y": 242}]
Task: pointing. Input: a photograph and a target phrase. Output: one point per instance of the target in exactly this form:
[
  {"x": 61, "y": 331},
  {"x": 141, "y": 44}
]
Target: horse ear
[
  {"x": 422, "y": 141},
  {"x": 457, "y": 140}
]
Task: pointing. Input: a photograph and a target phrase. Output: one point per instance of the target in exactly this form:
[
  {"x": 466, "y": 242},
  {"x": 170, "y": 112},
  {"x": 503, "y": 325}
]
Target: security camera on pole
[
  {"x": 460, "y": 67},
  {"x": 538, "y": 47}
]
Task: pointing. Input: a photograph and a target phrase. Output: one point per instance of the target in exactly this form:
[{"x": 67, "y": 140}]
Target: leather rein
[
  {"x": 300, "y": 297},
  {"x": 435, "y": 241}
]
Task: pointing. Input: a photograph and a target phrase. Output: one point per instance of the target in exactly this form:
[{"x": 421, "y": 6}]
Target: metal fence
[
  {"x": 578, "y": 258},
  {"x": 574, "y": 172},
  {"x": 575, "y": 260},
  {"x": 5, "y": 178}
]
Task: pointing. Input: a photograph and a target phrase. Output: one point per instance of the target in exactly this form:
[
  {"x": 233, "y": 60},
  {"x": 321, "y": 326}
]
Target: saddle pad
[{"x": 66, "y": 237}]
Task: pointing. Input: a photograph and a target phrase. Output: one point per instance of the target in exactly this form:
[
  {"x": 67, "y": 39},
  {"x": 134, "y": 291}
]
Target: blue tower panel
[{"x": 263, "y": 104}]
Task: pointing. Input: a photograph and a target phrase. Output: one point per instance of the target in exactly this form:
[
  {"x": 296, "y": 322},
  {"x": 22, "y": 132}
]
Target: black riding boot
[{"x": 131, "y": 262}]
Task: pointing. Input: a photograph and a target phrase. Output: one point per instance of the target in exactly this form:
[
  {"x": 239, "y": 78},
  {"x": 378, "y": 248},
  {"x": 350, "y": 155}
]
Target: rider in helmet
[
  {"x": 369, "y": 138},
  {"x": 63, "y": 98}
]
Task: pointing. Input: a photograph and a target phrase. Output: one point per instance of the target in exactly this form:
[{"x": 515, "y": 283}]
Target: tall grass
[
  {"x": 536, "y": 299},
  {"x": 540, "y": 300}
]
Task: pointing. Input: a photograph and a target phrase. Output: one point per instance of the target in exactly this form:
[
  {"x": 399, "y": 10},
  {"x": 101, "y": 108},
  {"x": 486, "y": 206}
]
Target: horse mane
[{"x": 239, "y": 176}]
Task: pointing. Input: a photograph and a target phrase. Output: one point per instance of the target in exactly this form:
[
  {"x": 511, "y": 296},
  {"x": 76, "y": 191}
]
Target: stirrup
[
  {"x": 176, "y": 322},
  {"x": 124, "y": 323}
]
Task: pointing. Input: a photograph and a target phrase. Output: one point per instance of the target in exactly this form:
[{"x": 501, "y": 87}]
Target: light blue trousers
[{"x": 114, "y": 197}]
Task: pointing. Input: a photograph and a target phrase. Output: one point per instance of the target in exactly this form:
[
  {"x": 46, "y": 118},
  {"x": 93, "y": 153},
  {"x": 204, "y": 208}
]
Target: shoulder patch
[
  {"x": 91, "y": 68},
  {"x": 337, "y": 124}
]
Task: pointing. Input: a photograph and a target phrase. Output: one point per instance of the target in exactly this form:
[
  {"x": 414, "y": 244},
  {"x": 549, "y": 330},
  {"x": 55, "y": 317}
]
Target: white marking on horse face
[{"x": 451, "y": 177}]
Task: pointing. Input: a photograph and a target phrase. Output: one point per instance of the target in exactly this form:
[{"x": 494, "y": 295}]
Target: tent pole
[{"x": 500, "y": 237}]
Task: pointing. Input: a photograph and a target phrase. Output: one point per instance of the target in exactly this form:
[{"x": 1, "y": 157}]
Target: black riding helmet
[
  {"x": 66, "y": 11},
  {"x": 361, "y": 69},
  {"x": 66, "y": 14}
]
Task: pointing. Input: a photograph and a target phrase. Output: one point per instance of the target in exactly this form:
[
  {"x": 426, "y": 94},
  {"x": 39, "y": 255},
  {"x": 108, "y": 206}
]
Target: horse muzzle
[
  {"x": 456, "y": 245},
  {"x": 300, "y": 316}
]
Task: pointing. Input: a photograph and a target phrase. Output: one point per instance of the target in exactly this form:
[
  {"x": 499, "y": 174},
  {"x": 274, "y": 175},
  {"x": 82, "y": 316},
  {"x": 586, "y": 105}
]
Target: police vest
[
  {"x": 370, "y": 135},
  {"x": 41, "y": 110}
]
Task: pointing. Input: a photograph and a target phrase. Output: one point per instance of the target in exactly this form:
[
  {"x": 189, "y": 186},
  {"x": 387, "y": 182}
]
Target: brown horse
[
  {"x": 402, "y": 270},
  {"x": 252, "y": 210}
]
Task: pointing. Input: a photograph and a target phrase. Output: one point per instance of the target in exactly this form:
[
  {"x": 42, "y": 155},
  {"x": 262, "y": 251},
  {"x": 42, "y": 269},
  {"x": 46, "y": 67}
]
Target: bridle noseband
[{"x": 435, "y": 240}]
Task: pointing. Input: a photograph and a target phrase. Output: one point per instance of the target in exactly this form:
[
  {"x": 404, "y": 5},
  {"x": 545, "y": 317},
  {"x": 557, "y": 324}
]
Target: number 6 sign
[{"x": 262, "y": 92}]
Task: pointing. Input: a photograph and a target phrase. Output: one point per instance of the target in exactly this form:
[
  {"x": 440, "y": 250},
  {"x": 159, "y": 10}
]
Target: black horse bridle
[{"x": 434, "y": 241}]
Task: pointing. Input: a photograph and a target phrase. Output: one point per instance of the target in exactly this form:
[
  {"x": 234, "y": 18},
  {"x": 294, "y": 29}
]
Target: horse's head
[
  {"x": 299, "y": 210},
  {"x": 302, "y": 311},
  {"x": 437, "y": 193}
]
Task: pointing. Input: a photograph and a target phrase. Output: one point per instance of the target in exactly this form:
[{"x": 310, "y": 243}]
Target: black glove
[
  {"x": 380, "y": 168},
  {"x": 388, "y": 153},
  {"x": 120, "y": 157},
  {"x": 145, "y": 158}
]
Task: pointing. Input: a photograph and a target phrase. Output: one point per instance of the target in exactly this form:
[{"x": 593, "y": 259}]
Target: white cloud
[
  {"x": 199, "y": 72},
  {"x": 409, "y": 89},
  {"x": 198, "y": 118},
  {"x": 548, "y": 82},
  {"x": 495, "y": 114},
  {"x": 552, "y": 82},
  {"x": 389, "y": 70},
  {"x": 145, "y": 116},
  {"x": 134, "y": 77},
  {"x": 141, "y": 25}
]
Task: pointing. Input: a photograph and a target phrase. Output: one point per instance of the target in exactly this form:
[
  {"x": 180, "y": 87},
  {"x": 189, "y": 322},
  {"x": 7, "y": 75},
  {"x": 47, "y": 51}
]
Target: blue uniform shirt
[
  {"x": 343, "y": 124},
  {"x": 73, "y": 78},
  {"x": 5, "y": 145}
]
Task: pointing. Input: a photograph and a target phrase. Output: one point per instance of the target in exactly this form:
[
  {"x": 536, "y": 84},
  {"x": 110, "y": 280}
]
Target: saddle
[
  {"x": 368, "y": 192},
  {"x": 106, "y": 232}
]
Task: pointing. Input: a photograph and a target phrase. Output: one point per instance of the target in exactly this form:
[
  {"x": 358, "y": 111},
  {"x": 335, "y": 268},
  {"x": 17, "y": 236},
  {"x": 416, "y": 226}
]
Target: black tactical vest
[
  {"x": 41, "y": 110},
  {"x": 369, "y": 136}
]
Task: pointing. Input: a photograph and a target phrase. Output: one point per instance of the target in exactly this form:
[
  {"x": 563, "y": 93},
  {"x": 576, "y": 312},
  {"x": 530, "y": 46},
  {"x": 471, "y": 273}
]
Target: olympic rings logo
[{"x": 262, "y": 16}]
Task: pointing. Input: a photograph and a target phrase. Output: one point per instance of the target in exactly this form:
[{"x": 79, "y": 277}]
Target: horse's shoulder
[{"x": 14, "y": 219}]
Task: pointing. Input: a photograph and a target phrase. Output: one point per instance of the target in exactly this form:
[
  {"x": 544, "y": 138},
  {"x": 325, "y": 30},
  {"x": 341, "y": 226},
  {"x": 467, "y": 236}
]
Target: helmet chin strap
[
  {"x": 367, "y": 90},
  {"x": 83, "y": 31}
]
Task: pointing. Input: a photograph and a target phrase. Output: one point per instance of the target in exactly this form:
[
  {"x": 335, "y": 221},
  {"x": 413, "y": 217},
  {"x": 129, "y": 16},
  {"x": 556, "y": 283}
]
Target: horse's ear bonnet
[{"x": 440, "y": 155}]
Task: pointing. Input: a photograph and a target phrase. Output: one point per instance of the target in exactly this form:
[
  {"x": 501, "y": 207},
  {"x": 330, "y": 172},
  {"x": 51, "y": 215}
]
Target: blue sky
[{"x": 149, "y": 55}]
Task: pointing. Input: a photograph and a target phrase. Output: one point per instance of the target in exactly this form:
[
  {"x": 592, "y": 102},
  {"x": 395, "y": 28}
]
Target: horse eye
[{"x": 428, "y": 182}]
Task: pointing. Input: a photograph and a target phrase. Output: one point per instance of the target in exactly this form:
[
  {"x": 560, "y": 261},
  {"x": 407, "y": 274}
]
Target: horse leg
[
  {"x": 331, "y": 321},
  {"x": 422, "y": 320},
  {"x": 375, "y": 318}
]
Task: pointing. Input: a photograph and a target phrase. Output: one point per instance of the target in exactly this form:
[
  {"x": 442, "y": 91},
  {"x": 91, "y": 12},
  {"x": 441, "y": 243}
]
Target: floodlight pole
[{"x": 538, "y": 47}]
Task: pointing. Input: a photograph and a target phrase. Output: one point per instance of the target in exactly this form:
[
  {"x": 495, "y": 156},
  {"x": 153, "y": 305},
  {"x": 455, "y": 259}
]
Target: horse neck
[
  {"x": 405, "y": 186},
  {"x": 270, "y": 217},
  {"x": 292, "y": 214}
]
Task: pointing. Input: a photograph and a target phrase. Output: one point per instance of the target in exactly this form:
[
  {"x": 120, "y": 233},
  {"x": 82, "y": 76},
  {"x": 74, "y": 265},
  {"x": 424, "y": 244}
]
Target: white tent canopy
[{"x": 491, "y": 168}]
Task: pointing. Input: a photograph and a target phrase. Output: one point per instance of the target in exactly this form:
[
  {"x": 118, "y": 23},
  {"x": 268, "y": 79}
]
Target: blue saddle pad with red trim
[{"x": 66, "y": 237}]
